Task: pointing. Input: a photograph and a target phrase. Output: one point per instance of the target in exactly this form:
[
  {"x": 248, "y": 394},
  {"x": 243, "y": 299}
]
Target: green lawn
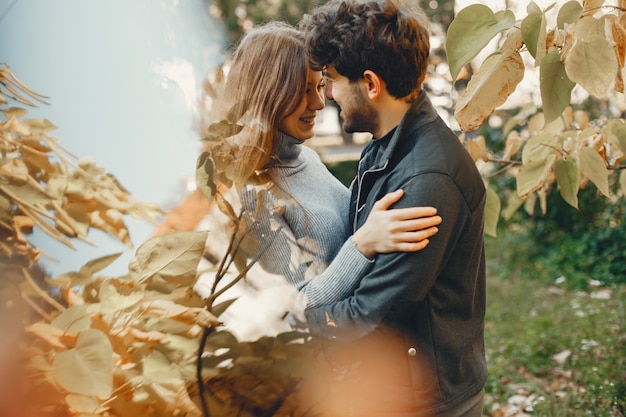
[{"x": 554, "y": 351}]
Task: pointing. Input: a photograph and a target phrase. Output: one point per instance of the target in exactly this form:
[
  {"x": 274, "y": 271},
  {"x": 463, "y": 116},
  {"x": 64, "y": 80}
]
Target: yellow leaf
[
  {"x": 54, "y": 336},
  {"x": 538, "y": 148},
  {"x": 172, "y": 258},
  {"x": 477, "y": 148},
  {"x": 173, "y": 398},
  {"x": 590, "y": 7},
  {"x": 497, "y": 78},
  {"x": 112, "y": 302},
  {"x": 591, "y": 61},
  {"x": 83, "y": 404},
  {"x": 15, "y": 125},
  {"x": 191, "y": 315},
  {"x": 593, "y": 167},
  {"x": 618, "y": 33},
  {"x": 532, "y": 176},
  {"x": 40, "y": 125},
  {"x": 88, "y": 368},
  {"x": 74, "y": 320},
  {"x": 512, "y": 144},
  {"x": 15, "y": 112},
  {"x": 582, "y": 119},
  {"x": 622, "y": 181},
  {"x": 156, "y": 367}
]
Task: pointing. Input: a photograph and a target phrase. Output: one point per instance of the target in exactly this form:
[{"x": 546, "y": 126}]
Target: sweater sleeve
[{"x": 270, "y": 240}]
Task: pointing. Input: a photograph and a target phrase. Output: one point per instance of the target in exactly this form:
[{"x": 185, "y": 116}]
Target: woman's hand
[{"x": 395, "y": 230}]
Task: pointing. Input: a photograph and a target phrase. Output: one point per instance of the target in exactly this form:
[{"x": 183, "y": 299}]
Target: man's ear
[{"x": 375, "y": 84}]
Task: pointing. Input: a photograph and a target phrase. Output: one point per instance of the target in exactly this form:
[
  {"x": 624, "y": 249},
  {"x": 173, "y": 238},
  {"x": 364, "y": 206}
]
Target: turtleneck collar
[{"x": 288, "y": 147}]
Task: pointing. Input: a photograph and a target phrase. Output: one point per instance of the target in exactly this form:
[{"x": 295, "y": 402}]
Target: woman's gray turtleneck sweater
[{"x": 303, "y": 223}]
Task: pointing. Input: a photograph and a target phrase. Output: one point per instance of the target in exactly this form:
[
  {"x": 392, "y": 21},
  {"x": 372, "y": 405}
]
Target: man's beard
[{"x": 358, "y": 115}]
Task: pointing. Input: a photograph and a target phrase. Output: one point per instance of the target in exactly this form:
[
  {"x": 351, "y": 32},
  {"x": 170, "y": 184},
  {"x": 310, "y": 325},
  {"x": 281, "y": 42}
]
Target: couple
[{"x": 397, "y": 296}]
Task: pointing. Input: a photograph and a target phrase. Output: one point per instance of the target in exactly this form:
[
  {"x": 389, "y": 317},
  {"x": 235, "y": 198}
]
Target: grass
[{"x": 553, "y": 350}]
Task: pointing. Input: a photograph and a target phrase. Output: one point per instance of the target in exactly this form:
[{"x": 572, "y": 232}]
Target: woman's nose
[{"x": 317, "y": 101}]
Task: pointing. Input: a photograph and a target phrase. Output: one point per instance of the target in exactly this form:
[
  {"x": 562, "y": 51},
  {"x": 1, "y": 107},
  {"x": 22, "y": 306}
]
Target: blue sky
[{"x": 121, "y": 77}]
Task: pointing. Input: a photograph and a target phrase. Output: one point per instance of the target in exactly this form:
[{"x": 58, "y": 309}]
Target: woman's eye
[{"x": 321, "y": 86}]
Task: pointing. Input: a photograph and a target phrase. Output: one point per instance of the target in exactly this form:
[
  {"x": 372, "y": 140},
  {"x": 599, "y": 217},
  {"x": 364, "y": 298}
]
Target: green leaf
[
  {"x": 568, "y": 178},
  {"x": 205, "y": 175},
  {"x": 492, "y": 212},
  {"x": 497, "y": 78},
  {"x": 470, "y": 31},
  {"x": 512, "y": 205},
  {"x": 538, "y": 148},
  {"x": 569, "y": 13},
  {"x": 532, "y": 176},
  {"x": 556, "y": 88},
  {"x": 593, "y": 167},
  {"x": 592, "y": 62},
  {"x": 170, "y": 258},
  {"x": 88, "y": 368},
  {"x": 531, "y": 31},
  {"x": 530, "y": 203}
]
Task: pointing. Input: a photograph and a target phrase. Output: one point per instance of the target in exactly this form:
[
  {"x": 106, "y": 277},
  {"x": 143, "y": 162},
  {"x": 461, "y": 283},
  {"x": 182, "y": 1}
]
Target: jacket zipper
[{"x": 358, "y": 194}]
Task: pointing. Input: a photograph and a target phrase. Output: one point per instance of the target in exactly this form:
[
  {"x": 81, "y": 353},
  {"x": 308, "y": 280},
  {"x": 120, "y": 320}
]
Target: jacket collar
[{"x": 420, "y": 113}]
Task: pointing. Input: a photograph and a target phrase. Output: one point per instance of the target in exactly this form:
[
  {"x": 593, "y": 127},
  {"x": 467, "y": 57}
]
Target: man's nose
[{"x": 328, "y": 91}]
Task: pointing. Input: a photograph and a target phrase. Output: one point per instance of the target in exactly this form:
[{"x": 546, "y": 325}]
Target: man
[{"x": 409, "y": 341}]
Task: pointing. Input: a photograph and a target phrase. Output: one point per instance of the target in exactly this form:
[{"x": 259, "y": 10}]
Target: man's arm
[{"x": 398, "y": 275}]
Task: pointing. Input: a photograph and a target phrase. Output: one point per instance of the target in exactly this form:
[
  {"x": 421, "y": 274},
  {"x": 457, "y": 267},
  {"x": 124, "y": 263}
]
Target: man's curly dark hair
[{"x": 389, "y": 37}]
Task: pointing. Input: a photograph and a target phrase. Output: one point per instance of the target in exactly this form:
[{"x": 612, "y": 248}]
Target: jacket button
[{"x": 412, "y": 351}]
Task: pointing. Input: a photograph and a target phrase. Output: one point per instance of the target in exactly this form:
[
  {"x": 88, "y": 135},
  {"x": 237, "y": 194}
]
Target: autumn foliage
[{"x": 550, "y": 146}]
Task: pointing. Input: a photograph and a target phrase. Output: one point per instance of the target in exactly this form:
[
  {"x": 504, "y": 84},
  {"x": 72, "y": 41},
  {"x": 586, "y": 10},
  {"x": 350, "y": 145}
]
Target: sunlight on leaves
[
  {"x": 470, "y": 31},
  {"x": 88, "y": 368},
  {"x": 591, "y": 61},
  {"x": 172, "y": 258},
  {"x": 497, "y": 78}
]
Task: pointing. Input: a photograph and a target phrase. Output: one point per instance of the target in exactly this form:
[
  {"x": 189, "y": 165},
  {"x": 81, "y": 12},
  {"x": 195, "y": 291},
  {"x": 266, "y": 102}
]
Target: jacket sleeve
[
  {"x": 400, "y": 275},
  {"x": 270, "y": 235}
]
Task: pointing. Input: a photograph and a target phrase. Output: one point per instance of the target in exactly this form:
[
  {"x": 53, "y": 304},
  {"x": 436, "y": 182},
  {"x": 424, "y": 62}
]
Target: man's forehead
[{"x": 329, "y": 72}]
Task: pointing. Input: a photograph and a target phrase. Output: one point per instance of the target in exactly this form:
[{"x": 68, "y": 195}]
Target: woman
[{"x": 295, "y": 209}]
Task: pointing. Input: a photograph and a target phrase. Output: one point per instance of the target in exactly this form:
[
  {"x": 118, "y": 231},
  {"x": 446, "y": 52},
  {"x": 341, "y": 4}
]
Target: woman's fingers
[
  {"x": 411, "y": 225},
  {"x": 412, "y": 212},
  {"x": 416, "y": 236},
  {"x": 387, "y": 200}
]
